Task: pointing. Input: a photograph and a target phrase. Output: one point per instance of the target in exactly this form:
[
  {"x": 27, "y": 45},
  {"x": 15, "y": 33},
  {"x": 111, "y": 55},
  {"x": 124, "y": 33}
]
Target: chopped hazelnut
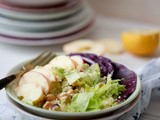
[
  {"x": 47, "y": 105},
  {"x": 65, "y": 97},
  {"x": 50, "y": 97}
]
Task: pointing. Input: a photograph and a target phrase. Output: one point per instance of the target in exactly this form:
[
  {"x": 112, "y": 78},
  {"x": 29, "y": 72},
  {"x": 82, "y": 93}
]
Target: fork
[{"x": 41, "y": 60}]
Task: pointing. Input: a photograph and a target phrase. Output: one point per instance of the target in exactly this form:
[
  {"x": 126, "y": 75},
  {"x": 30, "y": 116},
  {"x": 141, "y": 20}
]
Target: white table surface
[{"x": 105, "y": 28}]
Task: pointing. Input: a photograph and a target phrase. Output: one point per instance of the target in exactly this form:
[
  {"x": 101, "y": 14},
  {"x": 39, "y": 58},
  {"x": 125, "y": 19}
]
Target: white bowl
[
  {"x": 68, "y": 115},
  {"x": 34, "y": 3},
  {"x": 112, "y": 116}
]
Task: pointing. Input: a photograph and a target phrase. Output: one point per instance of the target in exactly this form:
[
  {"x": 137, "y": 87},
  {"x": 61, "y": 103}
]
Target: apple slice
[
  {"x": 46, "y": 72},
  {"x": 62, "y": 61},
  {"x": 78, "y": 61},
  {"x": 36, "y": 78},
  {"x": 30, "y": 93},
  {"x": 48, "y": 67}
]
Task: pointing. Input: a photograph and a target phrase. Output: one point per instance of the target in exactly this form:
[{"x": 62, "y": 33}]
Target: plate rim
[
  {"x": 43, "y": 35},
  {"x": 79, "y": 34},
  {"x": 67, "y": 5},
  {"x": 18, "y": 4},
  {"x": 45, "y": 24},
  {"x": 39, "y": 16}
]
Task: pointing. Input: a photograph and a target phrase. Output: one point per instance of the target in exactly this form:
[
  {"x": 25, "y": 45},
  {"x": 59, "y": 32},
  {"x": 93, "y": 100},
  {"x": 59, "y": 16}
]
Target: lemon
[{"x": 140, "y": 42}]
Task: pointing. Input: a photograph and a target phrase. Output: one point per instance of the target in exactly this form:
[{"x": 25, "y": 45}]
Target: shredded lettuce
[
  {"x": 59, "y": 72},
  {"x": 72, "y": 77},
  {"x": 98, "y": 93},
  {"x": 92, "y": 75},
  {"x": 97, "y": 97},
  {"x": 89, "y": 75},
  {"x": 80, "y": 102}
]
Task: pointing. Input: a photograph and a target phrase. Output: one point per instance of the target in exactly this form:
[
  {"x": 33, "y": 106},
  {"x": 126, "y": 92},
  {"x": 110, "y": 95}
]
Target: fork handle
[{"x": 5, "y": 81}]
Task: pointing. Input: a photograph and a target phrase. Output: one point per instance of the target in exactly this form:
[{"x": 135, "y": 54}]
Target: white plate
[
  {"x": 49, "y": 34},
  {"x": 113, "y": 116},
  {"x": 34, "y": 3},
  {"x": 41, "y": 15},
  {"x": 74, "y": 36},
  {"x": 42, "y": 26},
  {"x": 60, "y": 7}
]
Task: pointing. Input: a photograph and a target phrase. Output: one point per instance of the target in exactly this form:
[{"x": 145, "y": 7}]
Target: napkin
[{"x": 150, "y": 81}]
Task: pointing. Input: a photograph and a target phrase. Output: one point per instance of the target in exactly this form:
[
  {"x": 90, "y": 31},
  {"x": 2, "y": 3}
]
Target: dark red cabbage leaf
[{"x": 130, "y": 79}]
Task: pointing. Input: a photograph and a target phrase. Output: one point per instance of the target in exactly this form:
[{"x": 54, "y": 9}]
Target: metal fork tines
[{"x": 41, "y": 60}]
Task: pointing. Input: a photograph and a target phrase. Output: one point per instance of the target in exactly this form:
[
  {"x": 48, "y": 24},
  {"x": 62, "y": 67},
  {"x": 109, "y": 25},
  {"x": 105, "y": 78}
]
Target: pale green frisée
[{"x": 72, "y": 87}]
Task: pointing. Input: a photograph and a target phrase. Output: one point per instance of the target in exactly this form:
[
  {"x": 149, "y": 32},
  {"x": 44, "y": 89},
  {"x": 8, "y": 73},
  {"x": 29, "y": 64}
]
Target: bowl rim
[
  {"x": 22, "y": 110},
  {"x": 10, "y": 93}
]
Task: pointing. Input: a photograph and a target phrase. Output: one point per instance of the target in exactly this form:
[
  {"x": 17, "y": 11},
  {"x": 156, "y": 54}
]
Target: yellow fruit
[{"x": 140, "y": 42}]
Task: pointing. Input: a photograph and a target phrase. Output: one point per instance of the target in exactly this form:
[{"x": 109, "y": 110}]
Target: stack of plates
[{"x": 44, "y": 22}]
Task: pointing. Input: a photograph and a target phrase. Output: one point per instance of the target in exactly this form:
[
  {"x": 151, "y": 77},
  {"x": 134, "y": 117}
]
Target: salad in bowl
[{"x": 76, "y": 83}]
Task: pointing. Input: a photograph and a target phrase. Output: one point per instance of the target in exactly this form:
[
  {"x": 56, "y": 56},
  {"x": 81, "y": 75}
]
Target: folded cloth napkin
[{"x": 150, "y": 77}]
